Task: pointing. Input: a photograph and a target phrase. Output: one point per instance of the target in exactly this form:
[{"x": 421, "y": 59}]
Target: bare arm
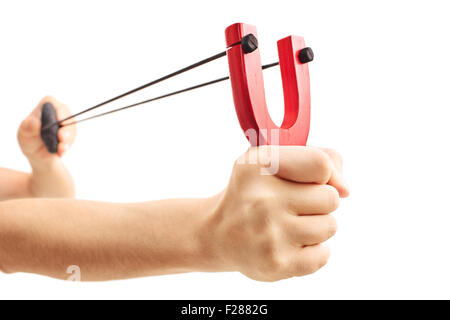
[
  {"x": 268, "y": 227},
  {"x": 106, "y": 241}
]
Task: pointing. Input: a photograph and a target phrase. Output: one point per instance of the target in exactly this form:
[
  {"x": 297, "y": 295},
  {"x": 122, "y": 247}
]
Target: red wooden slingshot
[{"x": 248, "y": 89}]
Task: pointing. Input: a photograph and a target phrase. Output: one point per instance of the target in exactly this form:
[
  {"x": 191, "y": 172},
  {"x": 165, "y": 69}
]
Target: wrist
[
  {"x": 50, "y": 178},
  {"x": 202, "y": 250},
  {"x": 46, "y": 164},
  {"x": 212, "y": 248},
  {"x": 181, "y": 235}
]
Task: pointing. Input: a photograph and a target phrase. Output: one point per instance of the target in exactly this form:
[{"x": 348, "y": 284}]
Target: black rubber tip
[
  {"x": 50, "y": 134},
  {"x": 249, "y": 43},
  {"x": 306, "y": 55}
]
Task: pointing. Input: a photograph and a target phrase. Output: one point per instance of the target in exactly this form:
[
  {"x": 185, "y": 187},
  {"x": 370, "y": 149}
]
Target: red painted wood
[{"x": 249, "y": 94}]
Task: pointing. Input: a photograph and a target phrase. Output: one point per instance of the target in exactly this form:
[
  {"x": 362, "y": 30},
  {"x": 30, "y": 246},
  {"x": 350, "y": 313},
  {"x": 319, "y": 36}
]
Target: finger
[
  {"x": 62, "y": 149},
  {"x": 335, "y": 157},
  {"x": 308, "y": 259},
  {"x": 310, "y": 230},
  {"x": 66, "y": 135},
  {"x": 62, "y": 110},
  {"x": 295, "y": 163},
  {"x": 337, "y": 178},
  {"x": 69, "y": 133},
  {"x": 305, "y": 199}
]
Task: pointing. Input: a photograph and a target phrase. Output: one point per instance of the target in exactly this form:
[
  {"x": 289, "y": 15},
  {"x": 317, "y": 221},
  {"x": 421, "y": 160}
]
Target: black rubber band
[
  {"x": 162, "y": 97},
  {"x": 166, "y": 77}
]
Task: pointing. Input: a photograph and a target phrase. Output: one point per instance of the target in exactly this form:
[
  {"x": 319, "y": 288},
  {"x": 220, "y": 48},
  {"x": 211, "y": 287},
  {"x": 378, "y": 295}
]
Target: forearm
[{"x": 106, "y": 241}]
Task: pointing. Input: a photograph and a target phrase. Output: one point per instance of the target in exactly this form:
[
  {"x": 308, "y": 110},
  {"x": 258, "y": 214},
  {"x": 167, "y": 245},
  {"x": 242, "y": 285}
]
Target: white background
[{"x": 380, "y": 95}]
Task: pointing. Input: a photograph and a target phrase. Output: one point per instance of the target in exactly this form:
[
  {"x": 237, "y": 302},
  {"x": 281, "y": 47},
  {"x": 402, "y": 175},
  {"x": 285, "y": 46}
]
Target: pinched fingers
[{"x": 66, "y": 135}]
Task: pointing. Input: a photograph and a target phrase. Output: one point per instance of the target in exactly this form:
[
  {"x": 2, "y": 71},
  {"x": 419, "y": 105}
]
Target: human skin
[
  {"x": 268, "y": 227},
  {"x": 49, "y": 177}
]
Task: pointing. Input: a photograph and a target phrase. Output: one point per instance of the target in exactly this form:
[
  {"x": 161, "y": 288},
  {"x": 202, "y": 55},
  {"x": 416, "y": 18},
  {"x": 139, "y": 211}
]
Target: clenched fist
[{"x": 271, "y": 227}]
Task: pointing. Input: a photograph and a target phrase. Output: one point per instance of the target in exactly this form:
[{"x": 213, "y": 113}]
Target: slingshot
[{"x": 248, "y": 91}]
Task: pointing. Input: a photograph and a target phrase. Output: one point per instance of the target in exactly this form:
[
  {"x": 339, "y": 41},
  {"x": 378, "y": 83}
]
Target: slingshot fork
[{"x": 248, "y": 89}]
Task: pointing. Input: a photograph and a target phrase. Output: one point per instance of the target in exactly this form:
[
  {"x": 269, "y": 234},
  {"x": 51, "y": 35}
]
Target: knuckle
[
  {"x": 332, "y": 226},
  {"x": 322, "y": 165},
  {"x": 261, "y": 223},
  {"x": 263, "y": 217},
  {"x": 335, "y": 155},
  {"x": 307, "y": 269},
  {"x": 332, "y": 199},
  {"x": 315, "y": 265},
  {"x": 259, "y": 215},
  {"x": 271, "y": 254},
  {"x": 261, "y": 202},
  {"x": 274, "y": 265}
]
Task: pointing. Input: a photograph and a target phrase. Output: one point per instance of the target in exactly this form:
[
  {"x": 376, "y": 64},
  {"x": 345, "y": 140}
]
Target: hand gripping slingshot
[{"x": 248, "y": 91}]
